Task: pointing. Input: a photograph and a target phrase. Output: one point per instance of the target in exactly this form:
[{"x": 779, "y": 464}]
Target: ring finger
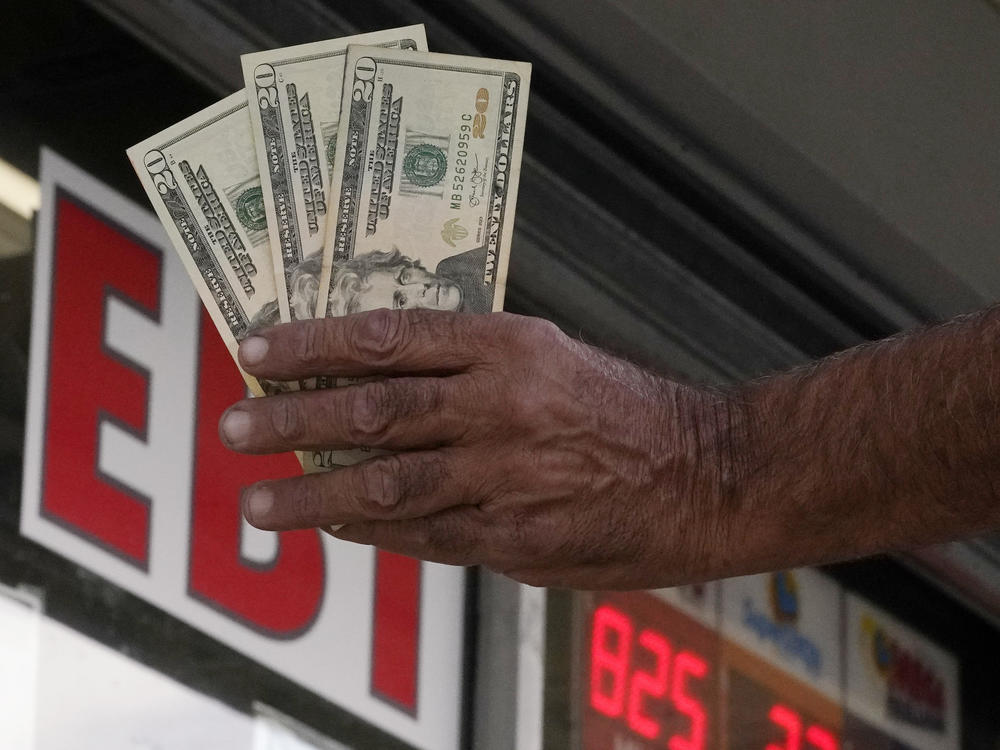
[{"x": 391, "y": 487}]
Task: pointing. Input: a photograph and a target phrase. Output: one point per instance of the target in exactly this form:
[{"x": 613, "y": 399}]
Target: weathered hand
[{"x": 515, "y": 447}]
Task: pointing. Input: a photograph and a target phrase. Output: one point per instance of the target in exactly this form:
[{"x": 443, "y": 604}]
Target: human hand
[{"x": 517, "y": 448}]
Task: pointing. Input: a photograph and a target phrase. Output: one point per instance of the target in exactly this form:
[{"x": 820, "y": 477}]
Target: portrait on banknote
[
  {"x": 380, "y": 279},
  {"x": 428, "y": 156}
]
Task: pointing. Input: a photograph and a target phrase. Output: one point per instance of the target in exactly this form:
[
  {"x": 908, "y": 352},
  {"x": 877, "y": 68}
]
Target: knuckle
[
  {"x": 525, "y": 405},
  {"x": 310, "y": 344},
  {"x": 306, "y": 504},
  {"x": 525, "y": 536},
  {"x": 500, "y": 331},
  {"x": 516, "y": 532},
  {"x": 448, "y": 536},
  {"x": 378, "y": 491},
  {"x": 434, "y": 396},
  {"x": 425, "y": 477},
  {"x": 537, "y": 334},
  {"x": 448, "y": 327},
  {"x": 379, "y": 334},
  {"x": 368, "y": 413},
  {"x": 287, "y": 419},
  {"x": 542, "y": 329}
]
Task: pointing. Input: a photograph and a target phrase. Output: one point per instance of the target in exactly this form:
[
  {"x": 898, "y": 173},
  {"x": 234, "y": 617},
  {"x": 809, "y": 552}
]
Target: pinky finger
[
  {"x": 452, "y": 537},
  {"x": 583, "y": 577}
]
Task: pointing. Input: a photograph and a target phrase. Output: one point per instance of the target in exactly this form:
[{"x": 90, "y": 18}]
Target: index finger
[{"x": 370, "y": 343}]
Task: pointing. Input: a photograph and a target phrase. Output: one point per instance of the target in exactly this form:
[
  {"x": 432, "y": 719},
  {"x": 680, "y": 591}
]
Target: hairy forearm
[
  {"x": 518, "y": 448},
  {"x": 884, "y": 447}
]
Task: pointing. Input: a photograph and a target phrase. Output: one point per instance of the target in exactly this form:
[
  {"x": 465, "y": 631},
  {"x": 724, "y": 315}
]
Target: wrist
[
  {"x": 701, "y": 476},
  {"x": 754, "y": 486}
]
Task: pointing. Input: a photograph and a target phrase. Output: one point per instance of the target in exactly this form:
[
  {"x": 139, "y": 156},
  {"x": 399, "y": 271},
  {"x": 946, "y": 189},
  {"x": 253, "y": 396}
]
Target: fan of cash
[{"x": 349, "y": 175}]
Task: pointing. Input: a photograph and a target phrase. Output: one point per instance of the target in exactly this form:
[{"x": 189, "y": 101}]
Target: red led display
[
  {"x": 614, "y": 674},
  {"x": 651, "y": 680},
  {"x": 688, "y": 665},
  {"x": 654, "y": 679},
  {"x": 775, "y": 717},
  {"x": 611, "y": 647},
  {"x": 790, "y": 722}
]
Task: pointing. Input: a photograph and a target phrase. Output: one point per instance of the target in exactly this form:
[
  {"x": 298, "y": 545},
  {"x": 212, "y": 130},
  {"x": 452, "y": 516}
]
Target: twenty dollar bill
[
  {"x": 201, "y": 176},
  {"x": 295, "y": 95},
  {"x": 424, "y": 183}
]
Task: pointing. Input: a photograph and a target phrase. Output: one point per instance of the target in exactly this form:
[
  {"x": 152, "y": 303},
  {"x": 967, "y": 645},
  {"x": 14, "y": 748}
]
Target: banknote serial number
[{"x": 473, "y": 126}]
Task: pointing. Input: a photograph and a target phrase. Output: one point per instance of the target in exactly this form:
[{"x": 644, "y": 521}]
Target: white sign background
[
  {"x": 333, "y": 657},
  {"x": 819, "y": 617},
  {"x": 867, "y": 691}
]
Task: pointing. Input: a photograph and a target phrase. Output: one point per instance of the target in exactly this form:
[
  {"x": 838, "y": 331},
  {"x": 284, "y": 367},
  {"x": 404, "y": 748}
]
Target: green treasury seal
[
  {"x": 425, "y": 165},
  {"x": 250, "y": 209}
]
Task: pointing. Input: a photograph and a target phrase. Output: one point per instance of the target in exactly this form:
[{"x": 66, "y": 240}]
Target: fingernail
[
  {"x": 253, "y": 350},
  {"x": 236, "y": 427},
  {"x": 259, "y": 503}
]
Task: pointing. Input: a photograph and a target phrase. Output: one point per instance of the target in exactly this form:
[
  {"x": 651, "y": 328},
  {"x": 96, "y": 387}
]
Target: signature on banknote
[{"x": 478, "y": 180}]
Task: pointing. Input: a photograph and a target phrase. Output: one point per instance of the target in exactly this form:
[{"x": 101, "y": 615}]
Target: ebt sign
[{"x": 125, "y": 475}]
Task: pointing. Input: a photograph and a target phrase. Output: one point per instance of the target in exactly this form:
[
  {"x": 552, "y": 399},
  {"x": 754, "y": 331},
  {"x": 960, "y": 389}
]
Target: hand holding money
[
  {"x": 427, "y": 149},
  {"x": 517, "y": 447},
  {"x": 296, "y": 93},
  {"x": 511, "y": 440}
]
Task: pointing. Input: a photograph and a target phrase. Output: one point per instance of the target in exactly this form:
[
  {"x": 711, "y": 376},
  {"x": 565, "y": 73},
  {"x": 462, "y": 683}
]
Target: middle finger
[{"x": 395, "y": 414}]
